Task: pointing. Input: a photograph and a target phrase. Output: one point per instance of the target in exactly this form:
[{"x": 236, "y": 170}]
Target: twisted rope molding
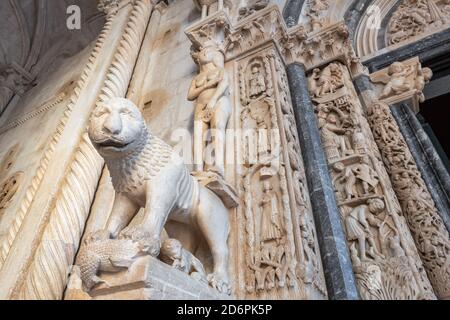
[
  {"x": 47, "y": 275},
  {"x": 48, "y": 153}
]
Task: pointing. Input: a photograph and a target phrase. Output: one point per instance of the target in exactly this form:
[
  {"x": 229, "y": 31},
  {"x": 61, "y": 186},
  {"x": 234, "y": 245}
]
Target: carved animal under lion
[{"x": 147, "y": 173}]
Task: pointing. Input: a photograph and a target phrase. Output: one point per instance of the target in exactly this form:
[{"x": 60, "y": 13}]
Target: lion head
[{"x": 116, "y": 128}]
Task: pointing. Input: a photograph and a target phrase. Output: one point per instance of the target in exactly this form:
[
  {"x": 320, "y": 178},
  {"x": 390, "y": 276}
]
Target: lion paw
[
  {"x": 152, "y": 246},
  {"x": 218, "y": 283}
]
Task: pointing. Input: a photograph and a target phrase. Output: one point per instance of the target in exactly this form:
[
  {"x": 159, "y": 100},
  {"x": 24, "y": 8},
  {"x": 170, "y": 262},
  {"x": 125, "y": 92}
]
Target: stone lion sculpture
[{"x": 147, "y": 173}]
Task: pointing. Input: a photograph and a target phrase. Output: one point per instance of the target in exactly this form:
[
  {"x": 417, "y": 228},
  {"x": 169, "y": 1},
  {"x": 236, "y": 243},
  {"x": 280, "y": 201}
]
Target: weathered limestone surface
[
  {"x": 328, "y": 194},
  {"x": 147, "y": 279}
]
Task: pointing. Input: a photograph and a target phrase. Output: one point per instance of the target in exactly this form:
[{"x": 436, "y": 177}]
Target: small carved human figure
[
  {"x": 398, "y": 80},
  {"x": 333, "y": 137},
  {"x": 271, "y": 227},
  {"x": 345, "y": 181},
  {"x": 365, "y": 175},
  {"x": 210, "y": 90},
  {"x": 423, "y": 77},
  {"x": 313, "y": 83},
  {"x": 172, "y": 252},
  {"x": 358, "y": 223},
  {"x": 146, "y": 173},
  {"x": 325, "y": 81},
  {"x": 257, "y": 83},
  {"x": 329, "y": 80}
]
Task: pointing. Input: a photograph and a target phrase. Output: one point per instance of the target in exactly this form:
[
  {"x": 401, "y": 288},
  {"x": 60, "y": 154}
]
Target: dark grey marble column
[
  {"x": 336, "y": 261},
  {"x": 427, "y": 159},
  {"x": 291, "y": 12}
]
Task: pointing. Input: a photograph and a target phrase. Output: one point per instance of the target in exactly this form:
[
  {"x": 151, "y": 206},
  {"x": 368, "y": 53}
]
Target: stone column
[
  {"x": 426, "y": 226},
  {"x": 292, "y": 11},
  {"x": 335, "y": 256},
  {"x": 385, "y": 260},
  {"x": 427, "y": 159},
  {"x": 423, "y": 215}
]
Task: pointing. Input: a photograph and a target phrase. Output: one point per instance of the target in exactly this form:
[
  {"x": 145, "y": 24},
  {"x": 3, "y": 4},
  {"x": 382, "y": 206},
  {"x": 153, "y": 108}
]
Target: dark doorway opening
[{"x": 435, "y": 118}]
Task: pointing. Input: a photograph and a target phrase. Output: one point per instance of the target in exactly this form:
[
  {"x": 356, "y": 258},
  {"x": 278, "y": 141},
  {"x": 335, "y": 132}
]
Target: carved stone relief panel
[
  {"x": 385, "y": 260},
  {"x": 416, "y": 18},
  {"x": 427, "y": 228},
  {"x": 281, "y": 253}
]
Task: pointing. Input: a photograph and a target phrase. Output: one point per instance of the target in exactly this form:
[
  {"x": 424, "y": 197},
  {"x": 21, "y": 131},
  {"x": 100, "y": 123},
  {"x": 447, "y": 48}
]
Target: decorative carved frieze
[
  {"x": 281, "y": 255},
  {"x": 427, "y": 228},
  {"x": 331, "y": 43},
  {"x": 385, "y": 260},
  {"x": 402, "y": 81},
  {"x": 328, "y": 44},
  {"x": 281, "y": 252},
  {"x": 416, "y": 18}
]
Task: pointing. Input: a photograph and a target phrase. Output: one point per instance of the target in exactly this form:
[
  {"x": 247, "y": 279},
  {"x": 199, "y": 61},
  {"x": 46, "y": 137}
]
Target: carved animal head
[
  {"x": 172, "y": 249},
  {"x": 427, "y": 74},
  {"x": 117, "y": 128}
]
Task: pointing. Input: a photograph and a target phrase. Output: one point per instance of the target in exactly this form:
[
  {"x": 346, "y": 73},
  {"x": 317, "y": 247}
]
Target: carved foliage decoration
[
  {"x": 417, "y": 17},
  {"x": 385, "y": 261},
  {"x": 427, "y": 228},
  {"x": 281, "y": 257}
]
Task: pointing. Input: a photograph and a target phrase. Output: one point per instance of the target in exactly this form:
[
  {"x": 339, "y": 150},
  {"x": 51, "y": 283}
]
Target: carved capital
[
  {"x": 320, "y": 48},
  {"x": 211, "y": 31}
]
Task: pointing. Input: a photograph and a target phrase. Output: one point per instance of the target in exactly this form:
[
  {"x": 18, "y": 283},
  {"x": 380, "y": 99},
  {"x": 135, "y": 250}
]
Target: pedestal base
[{"x": 147, "y": 279}]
